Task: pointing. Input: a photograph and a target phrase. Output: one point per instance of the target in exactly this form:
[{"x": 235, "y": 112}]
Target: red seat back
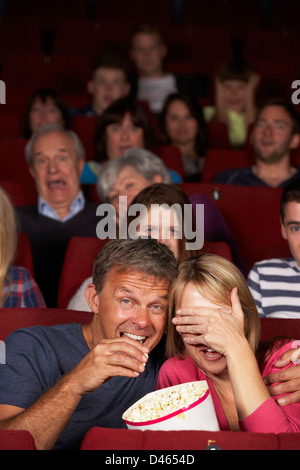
[
  {"x": 84, "y": 127},
  {"x": 252, "y": 215},
  {"x": 78, "y": 264},
  {"x": 218, "y": 135},
  {"x": 20, "y": 193},
  {"x": 13, "y": 318},
  {"x": 13, "y": 165},
  {"x": 16, "y": 440},
  {"x": 171, "y": 157},
  {"x": 98, "y": 438},
  {"x": 218, "y": 248},
  {"x": 217, "y": 160}
]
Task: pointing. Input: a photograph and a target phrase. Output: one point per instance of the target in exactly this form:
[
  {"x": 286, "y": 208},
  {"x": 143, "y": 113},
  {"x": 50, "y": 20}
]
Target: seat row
[{"x": 98, "y": 438}]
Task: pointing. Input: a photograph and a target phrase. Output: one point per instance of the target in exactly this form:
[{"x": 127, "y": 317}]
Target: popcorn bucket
[{"x": 187, "y": 406}]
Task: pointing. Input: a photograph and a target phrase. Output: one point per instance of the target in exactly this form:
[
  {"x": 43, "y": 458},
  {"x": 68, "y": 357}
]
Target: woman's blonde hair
[
  {"x": 8, "y": 238},
  {"x": 214, "y": 277}
]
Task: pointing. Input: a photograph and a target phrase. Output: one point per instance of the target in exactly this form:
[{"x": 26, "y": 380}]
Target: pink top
[{"x": 267, "y": 418}]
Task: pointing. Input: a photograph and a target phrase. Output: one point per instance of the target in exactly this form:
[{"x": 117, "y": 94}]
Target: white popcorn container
[{"x": 199, "y": 415}]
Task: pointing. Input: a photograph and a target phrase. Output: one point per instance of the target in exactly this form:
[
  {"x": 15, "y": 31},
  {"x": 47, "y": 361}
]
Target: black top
[
  {"x": 49, "y": 239},
  {"x": 246, "y": 177}
]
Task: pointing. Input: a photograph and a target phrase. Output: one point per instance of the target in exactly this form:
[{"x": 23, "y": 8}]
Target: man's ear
[
  {"x": 157, "y": 178},
  {"x": 80, "y": 163},
  {"x": 127, "y": 88},
  {"x": 164, "y": 51},
  {"x": 31, "y": 171},
  {"x": 90, "y": 87},
  {"x": 92, "y": 298},
  {"x": 295, "y": 141},
  {"x": 283, "y": 229}
]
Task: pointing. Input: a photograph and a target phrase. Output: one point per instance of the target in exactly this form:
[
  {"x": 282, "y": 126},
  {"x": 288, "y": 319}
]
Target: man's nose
[
  {"x": 268, "y": 129},
  {"x": 140, "y": 317},
  {"x": 51, "y": 166}
]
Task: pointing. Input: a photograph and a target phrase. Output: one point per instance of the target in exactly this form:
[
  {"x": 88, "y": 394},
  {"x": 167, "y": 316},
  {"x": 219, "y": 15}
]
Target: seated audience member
[
  {"x": 235, "y": 100},
  {"x": 55, "y": 157},
  {"x": 45, "y": 106},
  {"x": 124, "y": 125},
  {"x": 213, "y": 334},
  {"x": 274, "y": 283},
  {"x": 108, "y": 82},
  {"x": 17, "y": 287},
  {"x": 139, "y": 169},
  {"x": 214, "y": 227},
  {"x": 148, "y": 51},
  {"x": 170, "y": 225},
  {"x": 168, "y": 229},
  {"x": 182, "y": 125},
  {"x": 80, "y": 376},
  {"x": 276, "y": 133},
  {"x": 128, "y": 175}
]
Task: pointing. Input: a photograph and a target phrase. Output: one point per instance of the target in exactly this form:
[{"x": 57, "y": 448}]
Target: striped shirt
[{"x": 275, "y": 287}]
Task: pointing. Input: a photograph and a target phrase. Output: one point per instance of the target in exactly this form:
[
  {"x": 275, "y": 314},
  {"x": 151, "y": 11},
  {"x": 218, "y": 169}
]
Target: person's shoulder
[
  {"x": 18, "y": 272},
  {"x": 90, "y": 205},
  {"x": 177, "y": 364},
  {"x": 40, "y": 330},
  {"x": 233, "y": 175},
  {"x": 278, "y": 349},
  {"x": 29, "y": 210},
  {"x": 274, "y": 263}
]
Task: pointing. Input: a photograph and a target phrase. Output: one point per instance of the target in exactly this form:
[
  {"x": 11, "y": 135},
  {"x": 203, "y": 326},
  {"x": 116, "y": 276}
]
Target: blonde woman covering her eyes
[{"x": 213, "y": 334}]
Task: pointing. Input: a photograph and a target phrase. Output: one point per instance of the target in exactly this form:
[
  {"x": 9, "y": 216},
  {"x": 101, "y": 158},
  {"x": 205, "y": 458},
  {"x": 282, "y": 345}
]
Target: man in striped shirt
[{"x": 275, "y": 283}]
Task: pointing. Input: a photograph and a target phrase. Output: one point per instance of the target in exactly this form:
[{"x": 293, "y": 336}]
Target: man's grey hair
[
  {"x": 147, "y": 256},
  {"x": 48, "y": 129},
  {"x": 144, "y": 162}
]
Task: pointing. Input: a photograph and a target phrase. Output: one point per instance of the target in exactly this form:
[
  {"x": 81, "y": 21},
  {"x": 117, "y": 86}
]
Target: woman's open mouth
[{"x": 210, "y": 354}]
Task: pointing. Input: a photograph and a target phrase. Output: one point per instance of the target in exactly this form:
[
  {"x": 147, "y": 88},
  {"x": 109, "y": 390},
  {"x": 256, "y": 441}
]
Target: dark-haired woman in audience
[
  {"x": 44, "y": 106},
  {"x": 182, "y": 125},
  {"x": 124, "y": 125}
]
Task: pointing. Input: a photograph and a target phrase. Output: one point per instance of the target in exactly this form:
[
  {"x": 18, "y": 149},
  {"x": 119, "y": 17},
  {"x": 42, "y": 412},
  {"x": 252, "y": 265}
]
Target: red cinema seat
[
  {"x": 67, "y": 74},
  {"x": 171, "y": 157},
  {"x": 217, "y": 160},
  {"x": 109, "y": 439},
  {"x": 252, "y": 214},
  {"x": 10, "y": 124},
  {"x": 19, "y": 35},
  {"x": 78, "y": 264},
  {"x": 84, "y": 127},
  {"x": 13, "y": 165},
  {"x": 16, "y": 440},
  {"x": 12, "y": 319},
  {"x": 218, "y": 248},
  {"x": 20, "y": 193},
  {"x": 288, "y": 327},
  {"x": 218, "y": 135},
  {"x": 272, "y": 45},
  {"x": 98, "y": 438}
]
